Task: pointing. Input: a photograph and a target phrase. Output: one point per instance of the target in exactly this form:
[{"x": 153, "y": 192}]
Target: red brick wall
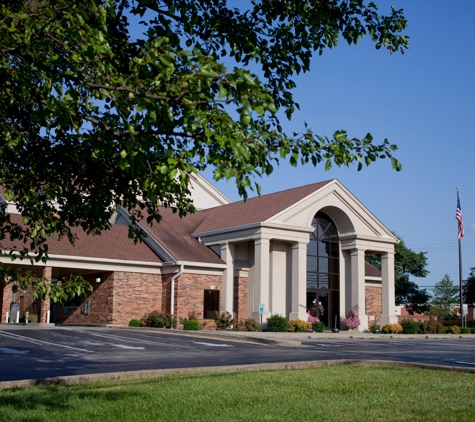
[
  {"x": 119, "y": 297},
  {"x": 98, "y": 304},
  {"x": 416, "y": 317},
  {"x": 28, "y": 303},
  {"x": 134, "y": 295},
  {"x": 189, "y": 294},
  {"x": 166, "y": 292},
  {"x": 374, "y": 305},
  {"x": 240, "y": 297},
  {"x": 5, "y": 299}
]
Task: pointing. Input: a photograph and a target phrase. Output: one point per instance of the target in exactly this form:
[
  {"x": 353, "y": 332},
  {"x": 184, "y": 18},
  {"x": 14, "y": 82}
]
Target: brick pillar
[
  {"x": 45, "y": 304},
  {"x": 240, "y": 297},
  {"x": 6, "y": 298}
]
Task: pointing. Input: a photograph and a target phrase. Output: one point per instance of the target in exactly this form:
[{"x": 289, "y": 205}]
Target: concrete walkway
[{"x": 296, "y": 339}]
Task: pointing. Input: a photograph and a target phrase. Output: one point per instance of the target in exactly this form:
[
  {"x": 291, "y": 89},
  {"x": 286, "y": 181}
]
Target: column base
[
  {"x": 388, "y": 319},
  {"x": 300, "y": 314}
]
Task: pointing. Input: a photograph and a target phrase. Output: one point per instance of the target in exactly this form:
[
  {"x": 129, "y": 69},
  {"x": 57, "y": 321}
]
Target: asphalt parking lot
[{"x": 39, "y": 353}]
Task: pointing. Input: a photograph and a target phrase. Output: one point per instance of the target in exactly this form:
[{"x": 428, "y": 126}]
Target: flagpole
[{"x": 460, "y": 267}]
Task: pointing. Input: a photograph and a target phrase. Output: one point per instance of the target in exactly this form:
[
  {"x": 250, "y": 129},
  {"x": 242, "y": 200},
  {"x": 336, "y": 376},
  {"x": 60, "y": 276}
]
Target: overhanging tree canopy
[{"x": 114, "y": 103}]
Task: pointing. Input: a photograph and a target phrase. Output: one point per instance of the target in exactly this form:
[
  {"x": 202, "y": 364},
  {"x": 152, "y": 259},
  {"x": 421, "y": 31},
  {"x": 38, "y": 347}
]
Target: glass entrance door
[{"x": 319, "y": 305}]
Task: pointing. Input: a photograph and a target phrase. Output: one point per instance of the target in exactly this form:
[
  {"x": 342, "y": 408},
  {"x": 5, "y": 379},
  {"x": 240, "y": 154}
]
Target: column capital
[
  {"x": 262, "y": 241},
  {"x": 357, "y": 251}
]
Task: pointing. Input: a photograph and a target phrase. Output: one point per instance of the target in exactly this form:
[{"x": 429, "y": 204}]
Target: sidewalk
[
  {"x": 296, "y": 339},
  {"x": 273, "y": 339}
]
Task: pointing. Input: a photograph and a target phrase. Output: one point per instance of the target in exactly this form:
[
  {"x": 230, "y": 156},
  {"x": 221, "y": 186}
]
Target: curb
[{"x": 118, "y": 376}]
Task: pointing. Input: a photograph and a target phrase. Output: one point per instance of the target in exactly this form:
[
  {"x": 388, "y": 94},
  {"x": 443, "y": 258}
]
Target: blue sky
[{"x": 423, "y": 101}]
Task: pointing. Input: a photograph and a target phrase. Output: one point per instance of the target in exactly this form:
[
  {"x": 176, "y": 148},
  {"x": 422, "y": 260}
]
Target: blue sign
[{"x": 261, "y": 308}]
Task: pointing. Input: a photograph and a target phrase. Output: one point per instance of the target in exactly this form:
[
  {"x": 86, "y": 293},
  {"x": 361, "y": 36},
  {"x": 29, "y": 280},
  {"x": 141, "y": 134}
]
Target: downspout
[{"x": 172, "y": 294}]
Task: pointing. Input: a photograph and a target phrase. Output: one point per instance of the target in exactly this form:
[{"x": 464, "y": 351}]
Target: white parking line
[
  {"x": 133, "y": 340},
  {"x": 9, "y": 351},
  {"x": 41, "y": 341},
  {"x": 212, "y": 344},
  {"x": 124, "y": 346}
]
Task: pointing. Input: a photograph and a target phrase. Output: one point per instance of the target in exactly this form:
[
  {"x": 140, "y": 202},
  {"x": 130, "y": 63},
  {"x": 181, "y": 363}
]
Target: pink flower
[{"x": 312, "y": 318}]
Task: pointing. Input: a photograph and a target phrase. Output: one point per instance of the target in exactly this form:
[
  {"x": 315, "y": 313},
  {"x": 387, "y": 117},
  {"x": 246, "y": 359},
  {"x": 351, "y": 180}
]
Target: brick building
[{"x": 289, "y": 251}]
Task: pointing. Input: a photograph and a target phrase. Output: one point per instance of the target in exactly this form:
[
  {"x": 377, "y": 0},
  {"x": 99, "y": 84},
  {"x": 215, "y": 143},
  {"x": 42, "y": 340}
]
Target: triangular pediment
[{"x": 351, "y": 217}]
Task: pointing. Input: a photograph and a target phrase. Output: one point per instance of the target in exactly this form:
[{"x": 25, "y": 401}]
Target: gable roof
[
  {"x": 254, "y": 210},
  {"x": 174, "y": 234},
  {"x": 111, "y": 244}
]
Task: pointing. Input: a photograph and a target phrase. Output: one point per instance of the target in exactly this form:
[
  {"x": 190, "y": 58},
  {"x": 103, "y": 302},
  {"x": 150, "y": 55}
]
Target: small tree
[{"x": 446, "y": 293}]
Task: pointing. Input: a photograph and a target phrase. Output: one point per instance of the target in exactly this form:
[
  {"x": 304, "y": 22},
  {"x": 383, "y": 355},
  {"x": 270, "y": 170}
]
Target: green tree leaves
[
  {"x": 407, "y": 263},
  {"x": 104, "y": 103},
  {"x": 446, "y": 294}
]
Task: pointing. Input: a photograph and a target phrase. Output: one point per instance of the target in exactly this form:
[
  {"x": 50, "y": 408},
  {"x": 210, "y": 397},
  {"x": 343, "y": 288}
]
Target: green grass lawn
[{"x": 338, "y": 393}]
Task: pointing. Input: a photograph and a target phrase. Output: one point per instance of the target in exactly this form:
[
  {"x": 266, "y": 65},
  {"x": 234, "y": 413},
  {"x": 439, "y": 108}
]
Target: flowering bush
[
  {"x": 312, "y": 318},
  {"x": 299, "y": 326},
  {"x": 392, "y": 329},
  {"x": 352, "y": 320}
]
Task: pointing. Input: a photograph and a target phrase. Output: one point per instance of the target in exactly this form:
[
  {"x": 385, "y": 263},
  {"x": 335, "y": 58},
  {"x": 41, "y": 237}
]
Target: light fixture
[{"x": 98, "y": 279}]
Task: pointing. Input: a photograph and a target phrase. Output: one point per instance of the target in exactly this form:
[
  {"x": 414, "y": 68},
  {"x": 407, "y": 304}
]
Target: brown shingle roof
[
  {"x": 174, "y": 234},
  {"x": 111, "y": 244},
  {"x": 371, "y": 271},
  {"x": 253, "y": 210}
]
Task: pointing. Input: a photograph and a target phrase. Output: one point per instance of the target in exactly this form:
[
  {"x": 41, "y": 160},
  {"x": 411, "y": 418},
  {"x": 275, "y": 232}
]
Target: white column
[
  {"x": 299, "y": 281},
  {"x": 358, "y": 292},
  {"x": 261, "y": 275},
  {"x": 388, "y": 303},
  {"x": 227, "y": 288}
]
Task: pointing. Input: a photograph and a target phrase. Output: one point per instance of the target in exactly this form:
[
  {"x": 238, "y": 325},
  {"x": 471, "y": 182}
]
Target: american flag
[{"x": 458, "y": 217}]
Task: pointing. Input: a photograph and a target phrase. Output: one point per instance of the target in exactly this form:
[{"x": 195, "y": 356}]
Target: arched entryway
[{"x": 323, "y": 271}]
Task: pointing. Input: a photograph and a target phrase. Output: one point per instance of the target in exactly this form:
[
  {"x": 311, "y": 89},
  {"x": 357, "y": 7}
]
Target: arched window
[{"x": 323, "y": 269}]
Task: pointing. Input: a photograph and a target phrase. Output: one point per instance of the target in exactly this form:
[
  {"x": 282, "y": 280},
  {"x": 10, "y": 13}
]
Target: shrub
[
  {"x": 191, "y": 324},
  {"x": 473, "y": 330},
  {"x": 238, "y": 325},
  {"x": 318, "y": 327},
  {"x": 466, "y": 330},
  {"x": 159, "y": 320},
  {"x": 251, "y": 324},
  {"x": 409, "y": 327},
  {"x": 453, "y": 329},
  {"x": 223, "y": 320},
  {"x": 277, "y": 323},
  {"x": 134, "y": 322},
  {"x": 431, "y": 327},
  {"x": 449, "y": 322},
  {"x": 392, "y": 329},
  {"x": 299, "y": 326},
  {"x": 374, "y": 328},
  {"x": 471, "y": 324}
]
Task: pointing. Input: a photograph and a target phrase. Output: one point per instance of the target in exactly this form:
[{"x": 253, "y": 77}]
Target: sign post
[{"x": 261, "y": 311}]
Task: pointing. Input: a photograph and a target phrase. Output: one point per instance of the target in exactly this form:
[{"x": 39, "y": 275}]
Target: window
[{"x": 211, "y": 303}]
